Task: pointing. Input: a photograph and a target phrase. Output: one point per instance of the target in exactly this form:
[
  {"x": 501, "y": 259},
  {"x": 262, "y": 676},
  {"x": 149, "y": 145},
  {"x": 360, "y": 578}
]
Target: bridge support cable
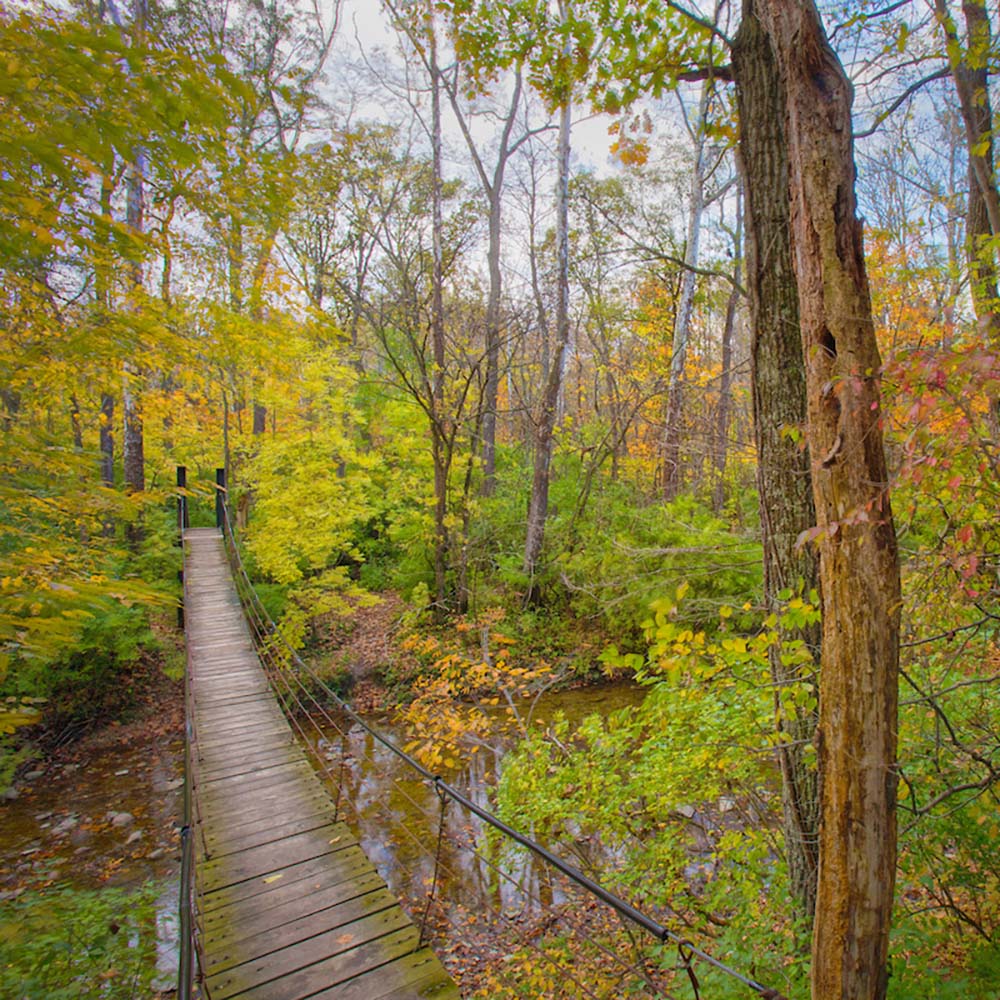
[
  {"x": 282, "y": 657},
  {"x": 302, "y": 707},
  {"x": 295, "y": 695}
]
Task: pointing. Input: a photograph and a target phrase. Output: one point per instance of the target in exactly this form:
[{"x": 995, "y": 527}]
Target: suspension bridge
[
  {"x": 278, "y": 899},
  {"x": 287, "y": 904}
]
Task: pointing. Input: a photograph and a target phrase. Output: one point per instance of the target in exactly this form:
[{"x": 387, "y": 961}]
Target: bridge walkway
[{"x": 288, "y": 905}]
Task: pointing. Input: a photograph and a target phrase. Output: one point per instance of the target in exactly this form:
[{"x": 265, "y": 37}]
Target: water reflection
[
  {"x": 396, "y": 815},
  {"x": 109, "y": 817}
]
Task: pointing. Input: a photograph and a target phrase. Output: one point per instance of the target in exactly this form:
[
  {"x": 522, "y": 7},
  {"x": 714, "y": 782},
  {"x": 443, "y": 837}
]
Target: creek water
[
  {"x": 396, "y": 813},
  {"x": 111, "y": 816}
]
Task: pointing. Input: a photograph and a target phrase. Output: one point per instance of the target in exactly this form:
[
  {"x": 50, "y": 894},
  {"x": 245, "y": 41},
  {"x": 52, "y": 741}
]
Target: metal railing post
[
  {"x": 182, "y": 525},
  {"x": 182, "y": 503},
  {"x": 220, "y": 499}
]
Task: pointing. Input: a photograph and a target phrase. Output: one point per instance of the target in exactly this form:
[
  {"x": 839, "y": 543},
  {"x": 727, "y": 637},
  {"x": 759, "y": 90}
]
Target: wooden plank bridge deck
[{"x": 289, "y": 905}]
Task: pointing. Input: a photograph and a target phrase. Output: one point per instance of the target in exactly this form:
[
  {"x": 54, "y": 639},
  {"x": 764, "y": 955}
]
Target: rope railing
[
  {"x": 284, "y": 683},
  {"x": 294, "y": 705},
  {"x": 279, "y": 654}
]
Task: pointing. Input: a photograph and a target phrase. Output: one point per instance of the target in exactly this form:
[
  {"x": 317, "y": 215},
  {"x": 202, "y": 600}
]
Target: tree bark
[
  {"x": 133, "y": 457},
  {"x": 439, "y": 442},
  {"x": 720, "y": 444},
  {"x": 133, "y": 445},
  {"x": 538, "y": 507},
  {"x": 859, "y": 561},
  {"x": 685, "y": 307},
  {"x": 259, "y": 425},
  {"x": 107, "y": 436},
  {"x": 972, "y": 85},
  {"x": 779, "y": 406},
  {"x": 493, "y": 189}
]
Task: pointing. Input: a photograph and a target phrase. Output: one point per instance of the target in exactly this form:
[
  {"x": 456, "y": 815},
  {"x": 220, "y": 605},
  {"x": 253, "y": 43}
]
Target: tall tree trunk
[
  {"x": 969, "y": 71},
  {"x": 76, "y": 423},
  {"x": 439, "y": 433},
  {"x": 493, "y": 189},
  {"x": 859, "y": 560},
  {"x": 971, "y": 74},
  {"x": 133, "y": 445},
  {"x": 685, "y": 308},
  {"x": 538, "y": 507},
  {"x": 133, "y": 458},
  {"x": 779, "y": 407},
  {"x": 720, "y": 445},
  {"x": 107, "y": 448},
  {"x": 259, "y": 425},
  {"x": 491, "y": 390}
]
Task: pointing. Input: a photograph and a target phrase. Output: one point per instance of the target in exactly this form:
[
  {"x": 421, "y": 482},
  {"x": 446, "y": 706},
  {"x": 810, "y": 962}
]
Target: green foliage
[
  {"x": 611, "y": 552},
  {"x": 12, "y": 755},
  {"x": 625, "y": 555},
  {"x": 685, "y": 785},
  {"x": 921, "y": 967},
  {"x": 96, "y": 679},
  {"x": 66, "y": 944}
]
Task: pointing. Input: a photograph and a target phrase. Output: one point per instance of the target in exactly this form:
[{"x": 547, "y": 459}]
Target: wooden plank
[
  {"x": 289, "y": 906},
  {"x": 352, "y": 864},
  {"x": 266, "y": 860},
  {"x": 295, "y": 973},
  {"x": 300, "y": 900},
  {"x": 255, "y": 833},
  {"x": 414, "y": 977},
  {"x": 233, "y": 949}
]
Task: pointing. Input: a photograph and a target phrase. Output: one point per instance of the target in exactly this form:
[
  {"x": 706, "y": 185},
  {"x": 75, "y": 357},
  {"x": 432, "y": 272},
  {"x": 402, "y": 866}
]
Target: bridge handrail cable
[{"x": 663, "y": 934}]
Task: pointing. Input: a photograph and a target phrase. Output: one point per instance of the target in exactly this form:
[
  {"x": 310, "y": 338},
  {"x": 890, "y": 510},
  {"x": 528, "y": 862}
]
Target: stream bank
[{"x": 103, "y": 813}]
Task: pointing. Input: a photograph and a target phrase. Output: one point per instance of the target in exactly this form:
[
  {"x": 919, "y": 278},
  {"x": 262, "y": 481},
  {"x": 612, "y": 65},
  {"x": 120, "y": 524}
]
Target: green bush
[
  {"x": 95, "y": 679},
  {"x": 68, "y": 944}
]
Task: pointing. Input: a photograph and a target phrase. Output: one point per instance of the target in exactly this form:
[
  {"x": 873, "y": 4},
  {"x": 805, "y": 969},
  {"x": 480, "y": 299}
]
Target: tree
[
  {"x": 538, "y": 505},
  {"x": 970, "y": 72},
  {"x": 778, "y": 378},
  {"x": 493, "y": 188},
  {"x": 276, "y": 52},
  {"x": 855, "y": 535},
  {"x": 685, "y": 307}
]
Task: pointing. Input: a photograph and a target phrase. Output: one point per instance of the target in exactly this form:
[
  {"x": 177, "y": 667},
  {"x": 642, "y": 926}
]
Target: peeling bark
[{"x": 859, "y": 562}]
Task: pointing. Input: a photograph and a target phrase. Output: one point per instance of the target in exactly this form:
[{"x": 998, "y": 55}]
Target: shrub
[{"x": 69, "y": 943}]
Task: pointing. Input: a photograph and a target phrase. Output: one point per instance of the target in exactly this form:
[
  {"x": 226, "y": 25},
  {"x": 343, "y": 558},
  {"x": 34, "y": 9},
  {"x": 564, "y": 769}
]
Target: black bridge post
[
  {"x": 182, "y": 524},
  {"x": 182, "y": 501},
  {"x": 220, "y": 499}
]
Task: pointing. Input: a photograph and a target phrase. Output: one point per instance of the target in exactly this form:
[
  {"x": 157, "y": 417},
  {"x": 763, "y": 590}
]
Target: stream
[
  {"x": 396, "y": 813},
  {"x": 110, "y": 816}
]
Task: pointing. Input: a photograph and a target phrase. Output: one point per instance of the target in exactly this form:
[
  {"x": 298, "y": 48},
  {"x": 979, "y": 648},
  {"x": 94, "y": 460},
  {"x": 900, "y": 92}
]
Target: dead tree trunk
[{"x": 859, "y": 561}]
